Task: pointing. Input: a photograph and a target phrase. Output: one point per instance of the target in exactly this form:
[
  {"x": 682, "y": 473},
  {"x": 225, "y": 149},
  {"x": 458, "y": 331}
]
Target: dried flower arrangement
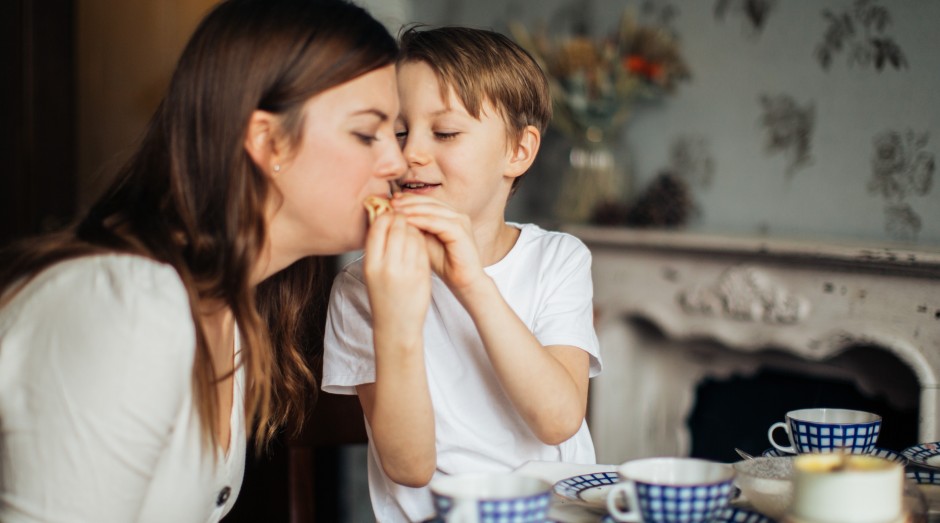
[{"x": 596, "y": 81}]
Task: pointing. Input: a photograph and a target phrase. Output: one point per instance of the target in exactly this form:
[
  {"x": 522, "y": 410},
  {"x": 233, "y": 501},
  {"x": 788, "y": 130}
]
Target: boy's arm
[
  {"x": 547, "y": 385},
  {"x": 398, "y": 405}
]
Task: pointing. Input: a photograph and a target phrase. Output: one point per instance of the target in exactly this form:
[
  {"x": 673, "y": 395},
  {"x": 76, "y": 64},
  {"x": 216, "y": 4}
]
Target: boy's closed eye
[{"x": 402, "y": 137}]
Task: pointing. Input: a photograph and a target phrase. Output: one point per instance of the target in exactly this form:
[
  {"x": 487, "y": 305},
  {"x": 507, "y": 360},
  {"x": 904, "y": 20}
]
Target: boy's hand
[
  {"x": 398, "y": 278},
  {"x": 451, "y": 248}
]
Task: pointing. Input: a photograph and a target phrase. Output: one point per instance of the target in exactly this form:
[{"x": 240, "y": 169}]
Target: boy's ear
[
  {"x": 262, "y": 142},
  {"x": 525, "y": 152}
]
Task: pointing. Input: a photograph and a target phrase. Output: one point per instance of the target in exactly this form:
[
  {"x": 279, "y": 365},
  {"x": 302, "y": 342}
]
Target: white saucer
[
  {"x": 889, "y": 455},
  {"x": 926, "y": 455},
  {"x": 728, "y": 515},
  {"x": 590, "y": 489}
]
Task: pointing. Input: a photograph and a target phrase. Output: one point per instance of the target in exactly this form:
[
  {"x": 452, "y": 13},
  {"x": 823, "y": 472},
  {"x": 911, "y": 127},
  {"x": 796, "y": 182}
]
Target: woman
[{"x": 135, "y": 348}]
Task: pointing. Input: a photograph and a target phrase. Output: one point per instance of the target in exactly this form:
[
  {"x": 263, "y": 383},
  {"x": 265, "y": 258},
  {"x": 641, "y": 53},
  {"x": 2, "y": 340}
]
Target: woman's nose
[{"x": 393, "y": 164}]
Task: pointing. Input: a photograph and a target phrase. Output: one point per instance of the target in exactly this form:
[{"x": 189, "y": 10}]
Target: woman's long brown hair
[{"x": 191, "y": 196}]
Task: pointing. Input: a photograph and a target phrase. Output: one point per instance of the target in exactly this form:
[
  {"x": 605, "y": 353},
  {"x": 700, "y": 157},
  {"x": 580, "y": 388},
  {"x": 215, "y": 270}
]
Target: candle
[{"x": 838, "y": 488}]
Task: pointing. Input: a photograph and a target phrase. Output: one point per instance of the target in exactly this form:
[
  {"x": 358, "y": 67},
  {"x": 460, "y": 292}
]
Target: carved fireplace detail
[{"x": 722, "y": 302}]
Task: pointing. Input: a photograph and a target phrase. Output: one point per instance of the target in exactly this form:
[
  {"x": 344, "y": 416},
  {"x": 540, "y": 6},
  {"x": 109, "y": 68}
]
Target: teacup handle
[
  {"x": 628, "y": 488},
  {"x": 786, "y": 428},
  {"x": 463, "y": 511}
]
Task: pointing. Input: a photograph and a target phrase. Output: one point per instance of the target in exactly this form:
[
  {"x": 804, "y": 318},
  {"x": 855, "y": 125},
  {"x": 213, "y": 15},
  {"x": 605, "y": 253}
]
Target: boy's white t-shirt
[{"x": 546, "y": 279}]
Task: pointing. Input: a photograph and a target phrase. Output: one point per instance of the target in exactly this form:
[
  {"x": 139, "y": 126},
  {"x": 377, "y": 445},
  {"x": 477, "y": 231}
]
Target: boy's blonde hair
[{"x": 483, "y": 65}]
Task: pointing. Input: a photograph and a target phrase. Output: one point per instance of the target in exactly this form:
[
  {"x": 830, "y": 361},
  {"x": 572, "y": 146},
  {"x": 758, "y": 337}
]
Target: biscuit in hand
[{"x": 376, "y": 206}]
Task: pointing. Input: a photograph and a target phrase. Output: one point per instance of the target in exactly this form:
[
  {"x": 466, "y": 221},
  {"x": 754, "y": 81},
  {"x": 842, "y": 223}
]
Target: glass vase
[{"x": 595, "y": 175}]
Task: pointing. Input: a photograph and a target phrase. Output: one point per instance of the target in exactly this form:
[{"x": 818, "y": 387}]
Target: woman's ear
[
  {"x": 262, "y": 143},
  {"x": 524, "y": 154}
]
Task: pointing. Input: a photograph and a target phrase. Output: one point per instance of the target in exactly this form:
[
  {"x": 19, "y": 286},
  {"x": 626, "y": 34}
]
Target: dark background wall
[{"x": 37, "y": 116}]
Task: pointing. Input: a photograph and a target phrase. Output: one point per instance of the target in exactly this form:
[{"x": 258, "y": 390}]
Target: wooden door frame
[{"x": 37, "y": 117}]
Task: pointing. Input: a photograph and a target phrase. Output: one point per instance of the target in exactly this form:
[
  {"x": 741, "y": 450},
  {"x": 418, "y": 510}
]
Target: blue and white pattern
[
  {"x": 682, "y": 503},
  {"x": 924, "y": 455},
  {"x": 727, "y": 515},
  {"x": 856, "y": 438},
  {"x": 532, "y": 509},
  {"x": 889, "y": 455},
  {"x": 574, "y": 488},
  {"x": 740, "y": 515},
  {"x": 923, "y": 476}
]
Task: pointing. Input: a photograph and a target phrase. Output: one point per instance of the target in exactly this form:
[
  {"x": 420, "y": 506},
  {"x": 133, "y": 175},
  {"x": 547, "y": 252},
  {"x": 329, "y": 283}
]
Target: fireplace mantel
[{"x": 812, "y": 300}]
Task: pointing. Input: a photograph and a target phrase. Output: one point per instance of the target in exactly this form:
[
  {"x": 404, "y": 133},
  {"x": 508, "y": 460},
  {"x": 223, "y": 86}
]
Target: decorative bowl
[{"x": 767, "y": 483}]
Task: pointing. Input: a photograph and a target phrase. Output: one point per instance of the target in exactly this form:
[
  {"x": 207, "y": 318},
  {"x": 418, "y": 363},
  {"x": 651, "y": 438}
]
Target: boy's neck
[{"x": 494, "y": 240}]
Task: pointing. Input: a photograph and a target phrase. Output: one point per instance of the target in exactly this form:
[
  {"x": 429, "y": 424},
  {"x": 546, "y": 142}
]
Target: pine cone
[{"x": 667, "y": 202}]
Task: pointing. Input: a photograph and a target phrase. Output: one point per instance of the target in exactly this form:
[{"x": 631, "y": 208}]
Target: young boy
[{"x": 495, "y": 373}]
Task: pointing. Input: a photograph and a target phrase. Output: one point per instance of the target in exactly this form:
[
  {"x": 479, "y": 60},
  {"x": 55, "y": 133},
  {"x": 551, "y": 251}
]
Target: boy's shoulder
[
  {"x": 548, "y": 243},
  {"x": 531, "y": 233}
]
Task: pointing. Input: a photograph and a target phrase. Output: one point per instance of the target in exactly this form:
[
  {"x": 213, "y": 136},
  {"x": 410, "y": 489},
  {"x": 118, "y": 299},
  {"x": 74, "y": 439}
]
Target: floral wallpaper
[
  {"x": 901, "y": 166},
  {"x": 814, "y": 119},
  {"x": 858, "y": 32},
  {"x": 789, "y": 129},
  {"x": 753, "y": 13}
]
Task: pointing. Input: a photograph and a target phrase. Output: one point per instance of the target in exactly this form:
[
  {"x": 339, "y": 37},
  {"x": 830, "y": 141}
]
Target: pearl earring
[{"x": 277, "y": 167}]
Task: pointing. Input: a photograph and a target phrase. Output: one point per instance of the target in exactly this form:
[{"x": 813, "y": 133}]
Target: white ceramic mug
[
  {"x": 827, "y": 430},
  {"x": 471, "y": 498},
  {"x": 669, "y": 490}
]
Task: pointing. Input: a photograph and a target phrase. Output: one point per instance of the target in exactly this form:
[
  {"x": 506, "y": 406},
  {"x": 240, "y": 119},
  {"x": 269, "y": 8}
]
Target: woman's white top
[{"x": 97, "y": 419}]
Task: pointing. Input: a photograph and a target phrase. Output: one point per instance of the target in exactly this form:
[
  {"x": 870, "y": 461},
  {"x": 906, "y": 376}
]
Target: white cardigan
[{"x": 97, "y": 420}]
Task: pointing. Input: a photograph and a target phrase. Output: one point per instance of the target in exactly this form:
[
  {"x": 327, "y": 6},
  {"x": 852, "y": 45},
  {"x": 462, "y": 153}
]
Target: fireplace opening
[{"x": 736, "y": 410}]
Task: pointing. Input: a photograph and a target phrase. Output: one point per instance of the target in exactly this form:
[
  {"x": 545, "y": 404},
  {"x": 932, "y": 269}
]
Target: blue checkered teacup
[
  {"x": 828, "y": 430},
  {"x": 490, "y": 498},
  {"x": 671, "y": 490}
]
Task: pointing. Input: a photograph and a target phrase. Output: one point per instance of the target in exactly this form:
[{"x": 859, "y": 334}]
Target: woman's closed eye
[{"x": 366, "y": 138}]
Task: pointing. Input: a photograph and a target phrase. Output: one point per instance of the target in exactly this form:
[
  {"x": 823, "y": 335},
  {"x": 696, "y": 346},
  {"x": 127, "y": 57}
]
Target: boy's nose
[{"x": 415, "y": 154}]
